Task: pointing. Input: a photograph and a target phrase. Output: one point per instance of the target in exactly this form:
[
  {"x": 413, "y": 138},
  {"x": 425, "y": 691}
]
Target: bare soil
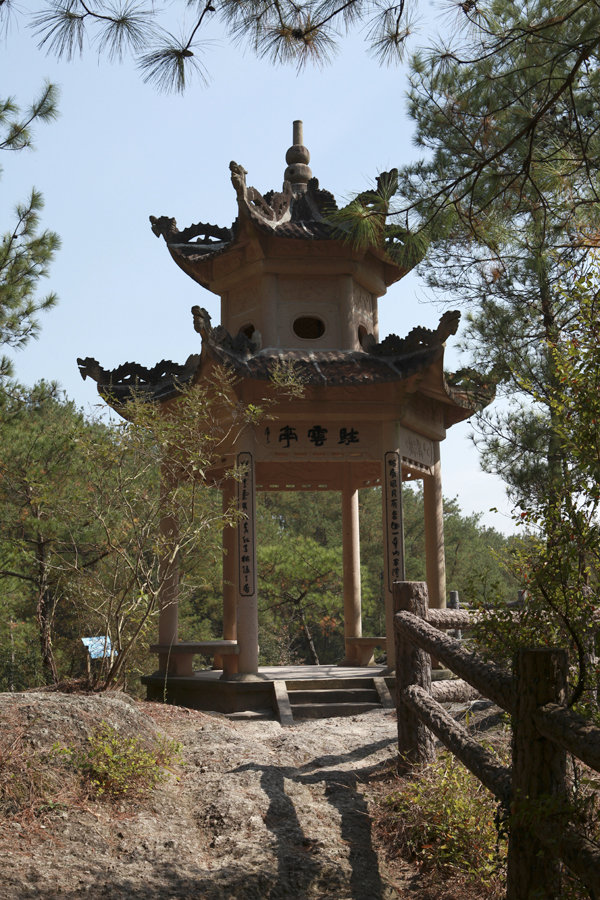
[{"x": 253, "y": 811}]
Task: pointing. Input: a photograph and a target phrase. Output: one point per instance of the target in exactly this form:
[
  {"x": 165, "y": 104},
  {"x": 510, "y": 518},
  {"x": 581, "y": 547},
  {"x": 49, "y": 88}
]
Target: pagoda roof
[
  {"x": 301, "y": 211},
  {"x": 393, "y": 360}
]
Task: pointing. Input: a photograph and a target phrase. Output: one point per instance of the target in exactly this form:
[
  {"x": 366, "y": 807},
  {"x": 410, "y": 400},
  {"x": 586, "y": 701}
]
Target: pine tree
[
  {"x": 307, "y": 32},
  {"x": 25, "y": 251},
  {"x": 46, "y": 529},
  {"x": 82, "y": 552},
  {"x": 504, "y": 233}
]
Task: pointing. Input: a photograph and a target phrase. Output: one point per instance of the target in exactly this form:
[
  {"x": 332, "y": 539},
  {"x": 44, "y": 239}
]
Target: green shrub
[
  {"x": 445, "y": 819},
  {"x": 115, "y": 766}
]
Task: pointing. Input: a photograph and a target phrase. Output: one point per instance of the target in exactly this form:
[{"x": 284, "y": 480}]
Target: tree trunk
[
  {"x": 11, "y": 677},
  {"x": 554, "y": 452},
  {"x": 45, "y": 610},
  {"x": 311, "y": 647},
  {"x": 45, "y": 614}
]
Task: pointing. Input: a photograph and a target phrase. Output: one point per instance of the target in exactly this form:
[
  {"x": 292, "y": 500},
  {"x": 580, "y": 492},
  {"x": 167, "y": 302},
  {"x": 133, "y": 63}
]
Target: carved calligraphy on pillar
[
  {"x": 246, "y": 545},
  {"x": 394, "y": 535}
]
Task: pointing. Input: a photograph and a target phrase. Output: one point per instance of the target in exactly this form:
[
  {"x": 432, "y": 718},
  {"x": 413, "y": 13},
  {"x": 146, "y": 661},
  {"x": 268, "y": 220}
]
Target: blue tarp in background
[{"x": 98, "y": 647}]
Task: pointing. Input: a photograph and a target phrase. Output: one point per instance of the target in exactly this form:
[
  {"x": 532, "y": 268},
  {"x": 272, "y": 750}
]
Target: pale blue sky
[{"x": 120, "y": 152}]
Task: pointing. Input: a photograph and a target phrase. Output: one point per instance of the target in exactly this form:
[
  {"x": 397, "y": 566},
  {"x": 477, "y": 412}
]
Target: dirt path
[{"x": 258, "y": 811}]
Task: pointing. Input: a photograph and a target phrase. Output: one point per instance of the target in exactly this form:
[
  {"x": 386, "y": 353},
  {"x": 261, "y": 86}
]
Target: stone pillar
[
  {"x": 434, "y": 534},
  {"x": 375, "y": 318},
  {"x": 348, "y": 331},
  {"x": 351, "y": 558},
  {"x": 168, "y": 597},
  {"x": 230, "y": 562},
  {"x": 393, "y": 530},
  {"x": 270, "y": 323},
  {"x": 247, "y": 598}
]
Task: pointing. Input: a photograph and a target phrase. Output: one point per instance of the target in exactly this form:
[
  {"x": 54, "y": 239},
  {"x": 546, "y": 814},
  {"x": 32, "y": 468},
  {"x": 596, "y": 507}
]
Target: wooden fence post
[
  {"x": 539, "y": 784},
  {"x": 413, "y": 666}
]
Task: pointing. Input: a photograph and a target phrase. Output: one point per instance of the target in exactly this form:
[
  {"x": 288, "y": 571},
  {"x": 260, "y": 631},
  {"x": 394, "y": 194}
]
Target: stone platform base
[
  {"x": 207, "y": 690},
  {"x": 209, "y": 694}
]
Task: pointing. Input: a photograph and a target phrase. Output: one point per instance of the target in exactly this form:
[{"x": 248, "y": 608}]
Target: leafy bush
[
  {"x": 115, "y": 766},
  {"x": 445, "y": 819}
]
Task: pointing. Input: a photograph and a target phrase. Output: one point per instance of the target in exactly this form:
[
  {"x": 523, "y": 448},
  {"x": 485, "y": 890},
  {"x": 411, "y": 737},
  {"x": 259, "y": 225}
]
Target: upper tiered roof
[
  {"x": 287, "y": 260},
  {"x": 301, "y": 211}
]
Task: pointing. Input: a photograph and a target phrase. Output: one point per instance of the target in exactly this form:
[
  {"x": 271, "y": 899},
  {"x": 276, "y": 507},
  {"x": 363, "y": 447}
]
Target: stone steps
[
  {"x": 334, "y": 697},
  {"x": 318, "y": 710},
  {"x": 337, "y": 695}
]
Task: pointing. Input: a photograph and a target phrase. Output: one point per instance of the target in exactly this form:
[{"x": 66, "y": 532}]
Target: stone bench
[
  {"x": 177, "y": 658},
  {"x": 360, "y": 649}
]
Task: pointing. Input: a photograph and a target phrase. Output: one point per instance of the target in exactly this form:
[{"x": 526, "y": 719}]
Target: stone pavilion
[{"x": 295, "y": 289}]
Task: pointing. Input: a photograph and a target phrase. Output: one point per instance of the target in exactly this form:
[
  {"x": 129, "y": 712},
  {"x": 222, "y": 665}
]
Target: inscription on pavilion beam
[{"x": 319, "y": 438}]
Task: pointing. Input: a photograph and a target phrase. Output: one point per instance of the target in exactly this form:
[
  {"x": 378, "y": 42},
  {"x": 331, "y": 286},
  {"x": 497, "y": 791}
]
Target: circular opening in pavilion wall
[
  {"x": 248, "y": 330},
  {"x": 362, "y": 333},
  {"x": 309, "y": 328}
]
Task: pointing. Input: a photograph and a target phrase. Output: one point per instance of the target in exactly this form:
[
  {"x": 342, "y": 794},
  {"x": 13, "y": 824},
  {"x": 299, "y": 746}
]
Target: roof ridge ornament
[
  {"x": 417, "y": 339},
  {"x": 298, "y": 172}
]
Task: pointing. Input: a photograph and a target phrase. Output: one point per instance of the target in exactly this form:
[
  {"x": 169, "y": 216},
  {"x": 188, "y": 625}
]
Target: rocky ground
[{"x": 253, "y": 810}]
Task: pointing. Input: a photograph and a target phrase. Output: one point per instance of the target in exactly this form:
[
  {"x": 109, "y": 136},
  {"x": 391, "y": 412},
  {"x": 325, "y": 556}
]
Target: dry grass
[
  {"x": 40, "y": 776},
  {"x": 33, "y": 782}
]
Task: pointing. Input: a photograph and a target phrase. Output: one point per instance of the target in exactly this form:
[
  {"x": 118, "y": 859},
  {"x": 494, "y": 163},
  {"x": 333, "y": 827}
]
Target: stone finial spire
[{"x": 298, "y": 172}]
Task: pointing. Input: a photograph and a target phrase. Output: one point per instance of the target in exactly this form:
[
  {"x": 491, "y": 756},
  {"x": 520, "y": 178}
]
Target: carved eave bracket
[
  {"x": 418, "y": 339},
  {"x": 203, "y": 233},
  {"x": 277, "y": 208},
  {"x": 476, "y": 390},
  {"x": 241, "y": 345},
  {"x": 131, "y": 379},
  {"x": 252, "y": 204}
]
